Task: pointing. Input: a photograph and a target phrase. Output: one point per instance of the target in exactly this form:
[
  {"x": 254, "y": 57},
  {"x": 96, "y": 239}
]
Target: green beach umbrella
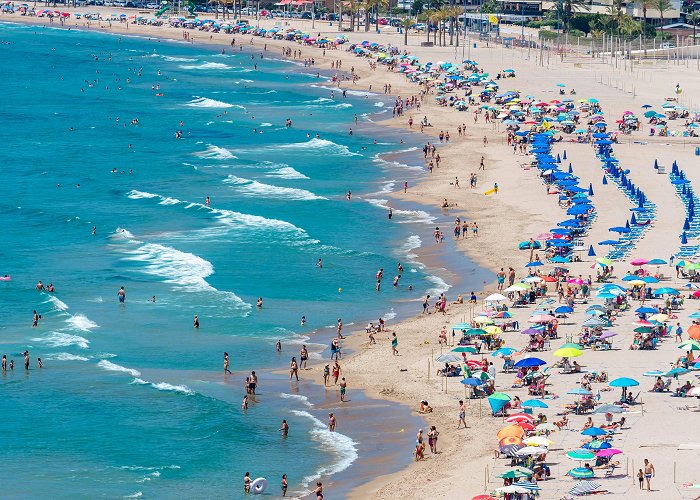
[
  {"x": 476, "y": 331},
  {"x": 689, "y": 345},
  {"x": 464, "y": 348},
  {"x": 580, "y": 455}
]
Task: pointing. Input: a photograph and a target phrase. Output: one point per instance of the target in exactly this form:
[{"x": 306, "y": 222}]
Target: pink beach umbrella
[
  {"x": 577, "y": 281},
  {"x": 639, "y": 262},
  {"x": 642, "y": 322},
  {"x": 610, "y": 452}
]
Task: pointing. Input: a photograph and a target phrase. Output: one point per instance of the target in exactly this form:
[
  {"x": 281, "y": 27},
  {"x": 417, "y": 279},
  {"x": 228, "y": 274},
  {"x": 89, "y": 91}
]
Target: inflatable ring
[{"x": 258, "y": 486}]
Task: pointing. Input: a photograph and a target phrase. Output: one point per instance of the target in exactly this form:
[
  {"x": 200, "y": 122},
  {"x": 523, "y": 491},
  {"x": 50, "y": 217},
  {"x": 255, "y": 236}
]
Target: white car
[{"x": 153, "y": 6}]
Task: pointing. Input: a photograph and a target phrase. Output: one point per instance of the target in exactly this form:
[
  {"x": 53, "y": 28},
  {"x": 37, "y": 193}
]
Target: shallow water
[{"x": 131, "y": 400}]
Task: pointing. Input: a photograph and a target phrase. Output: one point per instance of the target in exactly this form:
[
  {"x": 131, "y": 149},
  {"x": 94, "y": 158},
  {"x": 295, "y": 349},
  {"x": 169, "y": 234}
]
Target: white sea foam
[
  {"x": 379, "y": 104},
  {"x": 215, "y": 152},
  {"x": 232, "y": 219},
  {"x": 258, "y": 189},
  {"x": 203, "y": 102},
  {"x": 185, "y": 271},
  {"x": 169, "y": 201},
  {"x": 314, "y": 145},
  {"x": 206, "y": 65},
  {"x": 379, "y": 160},
  {"x": 389, "y": 315},
  {"x": 440, "y": 285},
  {"x": 266, "y": 124},
  {"x": 403, "y": 216},
  {"x": 412, "y": 242},
  {"x": 138, "y": 494},
  {"x": 81, "y": 322},
  {"x": 65, "y": 356},
  {"x": 298, "y": 397},
  {"x": 286, "y": 173},
  {"x": 113, "y": 367},
  {"x": 58, "y": 304},
  {"x": 163, "y": 386},
  {"x": 343, "y": 449},
  {"x": 137, "y": 195},
  {"x": 62, "y": 339},
  {"x": 178, "y": 59}
]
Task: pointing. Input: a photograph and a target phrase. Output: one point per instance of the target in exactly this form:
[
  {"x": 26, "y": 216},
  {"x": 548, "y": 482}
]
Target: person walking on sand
[
  {"x": 343, "y": 388},
  {"x": 462, "y": 414},
  {"x": 481, "y": 165},
  {"x": 679, "y": 332},
  {"x": 640, "y": 477},
  {"x": 294, "y": 369},
  {"x": 394, "y": 345},
  {"x": 649, "y": 472},
  {"x": 226, "y": 370}
]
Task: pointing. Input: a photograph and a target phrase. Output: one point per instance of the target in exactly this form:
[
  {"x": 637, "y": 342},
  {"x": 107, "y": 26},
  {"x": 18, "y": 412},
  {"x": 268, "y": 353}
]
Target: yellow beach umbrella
[
  {"x": 493, "y": 330},
  {"x": 659, "y": 317},
  {"x": 567, "y": 352},
  {"x": 483, "y": 320}
]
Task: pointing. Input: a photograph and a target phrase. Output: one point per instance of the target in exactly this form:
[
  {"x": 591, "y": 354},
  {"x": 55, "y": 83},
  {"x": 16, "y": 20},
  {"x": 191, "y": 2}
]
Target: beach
[{"x": 521, "y": 209}]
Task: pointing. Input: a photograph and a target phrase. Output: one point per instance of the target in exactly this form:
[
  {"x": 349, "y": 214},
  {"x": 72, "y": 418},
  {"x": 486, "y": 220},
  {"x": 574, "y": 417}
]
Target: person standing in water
[
  {"x": 196, "y": 322},
  {"x": 226, "y": 370},
  {"x": 26, "y": 360},
  {"x": 284, "y": 485},
  {"x": 293, "y": 369},
  {"x": 121, "y": 294},
  {"x": 285, "y": 428},
  {"x": 303, "y": 356},
  {"x": 331, "y": 422}
]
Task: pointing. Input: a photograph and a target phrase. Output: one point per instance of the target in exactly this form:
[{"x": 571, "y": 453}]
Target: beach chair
[{"x": 610, "y": 470}]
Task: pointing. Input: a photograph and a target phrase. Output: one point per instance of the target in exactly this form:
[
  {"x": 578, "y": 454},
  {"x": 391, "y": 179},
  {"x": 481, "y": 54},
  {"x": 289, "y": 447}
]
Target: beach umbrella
[
  {"x": 633, "y": 219},
  {"x": 534, "y": 403},
  {"x": 535, "y": 263},
  {"x": 689, "y": 345},
  {"x": 512, "y": 489},
  {"x": 684, "y": 238},
  {"x": 660, "y": 318},
  {"x": 547, "y": 427},
  {"x": 591, "y": 252},
  {"x": 597, "y": 445},
  {"x": 579, "y": 489},
  {"x": 580, "y": 391},
  {"x": 493, "y": 330},
  {"x": 496, "y": 297},
  {"x": 606, "y": 335},
  {"x": 530, "y": 362},
  {"x": 564, "y": 310},
  {"x": 527, "y": 485},
  {"x": 513, "y": 474},
  {"x": 448, "y": 358},
  {"x": 645, "y": 310},
  {"x": 608, "y": 452},
  {"x": 531, "y": 450},
  {"x": 567, "y": 352},
  {"x": 580, "y": 455},
  {"x": 654, "y": 373},
  {"x": 594, "y": 431},
  {"x": 462, "y": 326},
  {"x": 541, "y": 318},
  {"x": 465, "y": 348},
  {"x": 482, "y": 320},
  {"x": 472, "y": 381},
  {"x": 531, "y": 331},
  {"x": 502, "y": 315},
  {"x": 517, "y": 418},
  {"x": 675, "y": 372},
  {"x": 571, "y": 345},
  {"x": 593, "y": 321},
  {"x": 581, "y": 473},
  {"x": 650, "y": 279},
  {"x": 538, "y": 441},
  {"x": 624, "y": 382},
  {"x": 497, "y": 401},
  {"x": 504, "y": 351},
  {"x": 657, "y": 262},
  {"x": 609, "y": 408},
  {"x": 666, "y": 291}
]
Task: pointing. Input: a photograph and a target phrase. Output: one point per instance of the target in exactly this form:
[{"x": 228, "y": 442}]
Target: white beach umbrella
[{"x": 496, "y": 297}]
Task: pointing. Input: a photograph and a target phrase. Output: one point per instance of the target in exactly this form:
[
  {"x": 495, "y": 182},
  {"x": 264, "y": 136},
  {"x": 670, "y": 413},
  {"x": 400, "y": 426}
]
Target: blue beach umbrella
[
  {"x": 581, "y": 473},
  {"x": 535, "y": 263},
  {"x": 504, "y": 351},
  {"x": 579, "y": 391},
  {"x": 530, "y": 362},
  {"x": 624, "y": 382},
  {"x": 534, "y": 403},
  {"x": 594, "y": 431},
  {"x": 591, "y": 252},
  {"x": 472, "y": 381}
]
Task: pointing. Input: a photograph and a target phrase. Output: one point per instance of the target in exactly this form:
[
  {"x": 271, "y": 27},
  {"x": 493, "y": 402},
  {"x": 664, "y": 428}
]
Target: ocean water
[{"x": 132, "y": 400}]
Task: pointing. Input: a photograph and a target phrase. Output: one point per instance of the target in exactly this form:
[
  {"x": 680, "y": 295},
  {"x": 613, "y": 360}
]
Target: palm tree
[
  {"x": 662, "y": 6},
  {"x": 429, "y": 14},
  {"x": 445, "y": 15},
  {"x": 693, "y": 18},
  {"x": 645, "y": 4},
  {"x": 406, "y": 23},
  {"x": 569, "y": 7}
]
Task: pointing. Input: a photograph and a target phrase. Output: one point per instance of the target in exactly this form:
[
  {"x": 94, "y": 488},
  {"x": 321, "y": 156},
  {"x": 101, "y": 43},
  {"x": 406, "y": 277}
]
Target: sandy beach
[{"x": 662, "y": 428}]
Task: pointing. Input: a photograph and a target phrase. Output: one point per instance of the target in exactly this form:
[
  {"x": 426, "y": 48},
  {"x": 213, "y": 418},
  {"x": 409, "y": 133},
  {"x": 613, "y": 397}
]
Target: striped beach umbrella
[
  {"x": 580, "y": 473},
  {"x": 527, "y": 485},
  {"x": 584, "y": 488}
]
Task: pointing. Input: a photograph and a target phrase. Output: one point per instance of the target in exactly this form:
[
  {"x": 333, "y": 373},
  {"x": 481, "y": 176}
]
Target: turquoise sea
[{"x": 132, "y": 400}]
